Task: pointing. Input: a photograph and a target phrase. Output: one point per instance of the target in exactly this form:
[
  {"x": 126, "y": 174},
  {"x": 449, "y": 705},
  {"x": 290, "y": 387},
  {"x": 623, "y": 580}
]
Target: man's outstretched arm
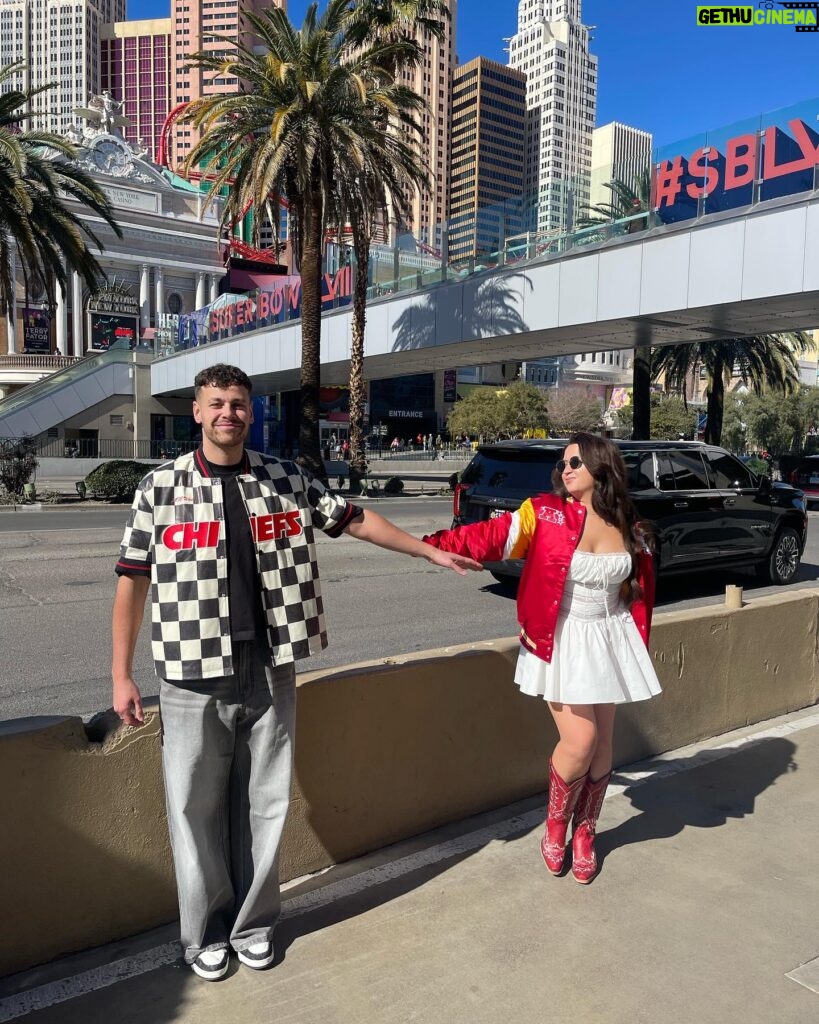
[
  {"x": 129, "y": 607},
  {"x": 372, "y": 527}
]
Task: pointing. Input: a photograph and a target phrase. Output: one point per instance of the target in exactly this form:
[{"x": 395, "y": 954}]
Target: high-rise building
[
  {"x": 59, "y": 43},
  {"x": 432, "y": 80},
  {"x": 135, "y": 67},
  {"x": 487, "y": 148},
  {"x": 551, "y": 46},
  {"x": 619, "y": 152},
  {"x": 194, "y": 23}
]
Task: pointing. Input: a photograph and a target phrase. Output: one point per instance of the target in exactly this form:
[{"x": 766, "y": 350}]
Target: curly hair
[
  {"x": 222, "y": 376},
  {"x": 611, "y": 500}
]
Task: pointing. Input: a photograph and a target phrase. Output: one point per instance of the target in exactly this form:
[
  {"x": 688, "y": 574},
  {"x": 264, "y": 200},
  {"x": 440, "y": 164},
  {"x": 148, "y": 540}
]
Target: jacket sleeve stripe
[{"x": 520, "y": 532}]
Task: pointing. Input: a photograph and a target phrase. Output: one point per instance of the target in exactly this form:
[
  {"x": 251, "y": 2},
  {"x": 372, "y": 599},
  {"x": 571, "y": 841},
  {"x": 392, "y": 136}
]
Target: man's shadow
[{"x": 723, "y": 784}]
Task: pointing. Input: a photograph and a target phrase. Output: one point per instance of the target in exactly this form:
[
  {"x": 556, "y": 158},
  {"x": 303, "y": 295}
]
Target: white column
[
  {"x": 159, "y": 279},
  {"x": 76, "y": 313},
  {"x": 62, "y": 322},
  {"x": 145, "y": 296},
  {"x": 200, "y": 290},
  {"x": 213, "y": 284}
]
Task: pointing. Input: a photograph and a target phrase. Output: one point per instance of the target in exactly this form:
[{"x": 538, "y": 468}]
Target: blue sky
[{"x": 659, "y": 70}]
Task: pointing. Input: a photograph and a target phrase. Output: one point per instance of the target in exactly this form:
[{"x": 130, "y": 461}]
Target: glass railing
[
  {"x": 723, "y": 169},
  {"x": 119, "y": 352}
]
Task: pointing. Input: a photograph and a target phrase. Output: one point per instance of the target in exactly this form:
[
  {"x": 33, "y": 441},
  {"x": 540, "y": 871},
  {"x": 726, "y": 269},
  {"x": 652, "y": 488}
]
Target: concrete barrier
[{"x": 384, "y": 751}]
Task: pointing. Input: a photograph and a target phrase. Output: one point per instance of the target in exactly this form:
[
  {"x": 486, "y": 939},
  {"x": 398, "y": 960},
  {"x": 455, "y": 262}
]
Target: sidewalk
[{"x": 707, "y": 899}]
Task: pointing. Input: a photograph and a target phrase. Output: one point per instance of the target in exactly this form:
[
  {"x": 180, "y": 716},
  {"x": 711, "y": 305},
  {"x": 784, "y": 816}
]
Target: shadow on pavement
[{"x": 704, "y": 796}]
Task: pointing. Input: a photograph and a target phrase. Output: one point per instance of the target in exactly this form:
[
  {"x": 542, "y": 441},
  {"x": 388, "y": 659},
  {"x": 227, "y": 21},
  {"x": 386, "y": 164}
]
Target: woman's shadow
[{"x": 712, "y": 787}]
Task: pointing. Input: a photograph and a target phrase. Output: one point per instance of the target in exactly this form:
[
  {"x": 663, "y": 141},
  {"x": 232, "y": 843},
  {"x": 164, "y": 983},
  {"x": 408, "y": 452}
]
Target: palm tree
[
  {"x": 382, "y": 179},
  {"x": 627, "y": 200},
  {"x": 307, "y": 114},
  {"x": 36, "y": 223},
  {"x": 759, "y": 360},
  {"x": 375, "y": 190}
]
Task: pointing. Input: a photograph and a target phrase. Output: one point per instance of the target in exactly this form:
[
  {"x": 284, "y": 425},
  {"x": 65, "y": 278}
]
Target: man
[{"x": 224, "y": 539}]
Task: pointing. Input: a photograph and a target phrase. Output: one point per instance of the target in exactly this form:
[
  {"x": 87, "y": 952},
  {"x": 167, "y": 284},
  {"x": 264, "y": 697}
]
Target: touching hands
[{"x": 460, "y": 563}]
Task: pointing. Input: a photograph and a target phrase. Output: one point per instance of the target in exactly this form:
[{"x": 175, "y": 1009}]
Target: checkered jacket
[{"x": 176, "y": 535}]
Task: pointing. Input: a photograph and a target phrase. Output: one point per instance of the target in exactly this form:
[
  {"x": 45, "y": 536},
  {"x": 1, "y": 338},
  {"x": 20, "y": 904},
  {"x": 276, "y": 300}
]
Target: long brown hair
[{"x": 610, "y": 499}]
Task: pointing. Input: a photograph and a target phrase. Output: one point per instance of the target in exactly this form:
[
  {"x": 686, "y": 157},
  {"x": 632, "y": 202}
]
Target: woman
[{"x": 584, "y": 607}]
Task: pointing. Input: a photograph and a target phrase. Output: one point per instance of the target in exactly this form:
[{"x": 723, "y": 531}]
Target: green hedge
[{"x": 116, "y": 480}]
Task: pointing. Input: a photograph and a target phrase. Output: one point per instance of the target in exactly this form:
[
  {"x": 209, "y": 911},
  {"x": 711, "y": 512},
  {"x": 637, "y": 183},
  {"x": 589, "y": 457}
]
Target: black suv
[{"x": 709, "y": 510}]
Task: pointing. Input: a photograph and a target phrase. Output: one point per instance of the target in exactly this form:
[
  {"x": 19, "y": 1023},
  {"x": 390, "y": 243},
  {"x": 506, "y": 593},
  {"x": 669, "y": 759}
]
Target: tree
[
  {"x": 626, "y": 201},
  {"x": 734, "y": 425},
  {"x": 36, "y": 177},
  {"x": 759, "y": 360},
  {"x": 671, "y": 419},
  {"x": 309, "y": 119},
  {"x": 525, "y": 408},
  {"x": 382, "y": 175},
  {"x": 480, "y": 414},
  {"x": 572, "y": 409},
  {"x": 778, "y": 423}
]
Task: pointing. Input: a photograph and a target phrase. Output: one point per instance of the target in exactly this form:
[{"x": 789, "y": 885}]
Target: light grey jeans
[{"x": 227, "y": 757}]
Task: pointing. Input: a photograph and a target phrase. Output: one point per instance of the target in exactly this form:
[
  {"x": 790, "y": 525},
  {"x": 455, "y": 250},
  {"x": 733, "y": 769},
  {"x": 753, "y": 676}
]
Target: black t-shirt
[{"x": 246, "y": 615}]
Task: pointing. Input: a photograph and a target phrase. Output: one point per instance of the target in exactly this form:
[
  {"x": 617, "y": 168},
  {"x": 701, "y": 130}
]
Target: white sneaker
[
  {"x": 257, "y": 956},
  {"x": 212, "y": 964}
]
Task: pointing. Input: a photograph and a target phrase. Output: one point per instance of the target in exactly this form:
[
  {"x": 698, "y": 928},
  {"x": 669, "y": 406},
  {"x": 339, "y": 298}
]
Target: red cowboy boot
[
  {"x": 562, "y": 798},
  {"x": 586, "y": 813}
]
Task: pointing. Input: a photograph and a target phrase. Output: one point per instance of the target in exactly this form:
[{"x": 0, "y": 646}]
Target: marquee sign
[
  {"x": 274, "y": 305},
  {"x": 775, "y": 161}
]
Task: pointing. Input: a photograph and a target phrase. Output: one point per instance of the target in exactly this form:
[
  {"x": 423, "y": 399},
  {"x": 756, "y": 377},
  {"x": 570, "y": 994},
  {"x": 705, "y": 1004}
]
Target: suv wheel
[{"x": 783, "y": 560}]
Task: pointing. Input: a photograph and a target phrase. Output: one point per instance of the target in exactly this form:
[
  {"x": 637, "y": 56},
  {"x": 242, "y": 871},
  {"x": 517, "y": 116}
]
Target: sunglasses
[{"x": 575, "y": 462}]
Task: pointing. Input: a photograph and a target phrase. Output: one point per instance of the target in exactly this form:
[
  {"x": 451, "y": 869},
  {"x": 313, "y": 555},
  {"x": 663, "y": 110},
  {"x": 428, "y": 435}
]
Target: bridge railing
[{"x": 729, "y": 168}]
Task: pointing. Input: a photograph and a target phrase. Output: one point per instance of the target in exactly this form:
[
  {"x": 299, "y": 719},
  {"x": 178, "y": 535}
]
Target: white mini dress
[{"x": 599, "y": 656}]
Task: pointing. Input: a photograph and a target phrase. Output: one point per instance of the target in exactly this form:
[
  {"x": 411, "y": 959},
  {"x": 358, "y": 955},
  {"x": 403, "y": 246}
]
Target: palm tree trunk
[
  {"x": 716, "y": 403},
  {"x": 641, "y": 393},
  {"x": 358, "y": 463},
  {"x": 309, "y": 447}
]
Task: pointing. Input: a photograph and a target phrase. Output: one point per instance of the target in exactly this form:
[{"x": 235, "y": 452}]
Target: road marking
[
  {"x": 673, "y": 763},
  {"x": 807, "y": 975}
]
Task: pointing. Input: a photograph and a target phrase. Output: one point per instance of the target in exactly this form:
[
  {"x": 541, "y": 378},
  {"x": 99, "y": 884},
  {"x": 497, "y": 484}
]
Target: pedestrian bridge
[{"x": 727, "y": 274}]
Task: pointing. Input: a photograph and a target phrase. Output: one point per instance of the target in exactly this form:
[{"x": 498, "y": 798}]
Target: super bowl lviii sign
[{"x": 777, "y": 159}]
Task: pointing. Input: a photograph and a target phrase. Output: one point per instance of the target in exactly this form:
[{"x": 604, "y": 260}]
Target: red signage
[
  {"x": 729, "y": 172},
  {"x": 270, "y": 304}
]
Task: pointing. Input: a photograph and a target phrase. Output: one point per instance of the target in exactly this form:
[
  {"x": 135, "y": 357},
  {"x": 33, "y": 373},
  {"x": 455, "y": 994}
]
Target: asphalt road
[{"x": 57, "y": 583}]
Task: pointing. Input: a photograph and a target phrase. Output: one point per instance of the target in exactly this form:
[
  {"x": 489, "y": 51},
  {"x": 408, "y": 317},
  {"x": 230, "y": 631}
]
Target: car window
[
  {"x": 640, "y": 467},
  {"x": 502, "y": 472},
  {"x": 726, "y": 471},
  {"x": 682, "y": 471}
]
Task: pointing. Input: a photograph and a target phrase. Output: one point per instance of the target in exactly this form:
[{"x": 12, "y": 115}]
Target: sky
[{"x": 659, "y": 70}]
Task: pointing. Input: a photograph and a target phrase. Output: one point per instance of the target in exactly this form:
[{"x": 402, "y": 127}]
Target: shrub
[
  {"x": 116, "y": 480},
  {"x": 395, "y": 485},
  {"x": 17, "y": 463}
]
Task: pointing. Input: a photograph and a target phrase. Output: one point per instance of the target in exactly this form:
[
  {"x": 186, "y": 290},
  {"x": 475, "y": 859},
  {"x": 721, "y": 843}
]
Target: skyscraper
[
  {"x": 487, "y": 148},
  {"x": 618, "y": 152},
  {"x": 432, "y": 80},
  {"x": 551, "y": 46},
  {"x": 193, "y": 22},
  {"x": 135, "y": 67},
  {"x": 59, "y": 43}
]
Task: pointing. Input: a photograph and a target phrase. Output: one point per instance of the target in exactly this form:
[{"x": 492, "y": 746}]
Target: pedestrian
[
  {"x": 584, "y": 606},
  {"x": 216, "y": 535}
]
